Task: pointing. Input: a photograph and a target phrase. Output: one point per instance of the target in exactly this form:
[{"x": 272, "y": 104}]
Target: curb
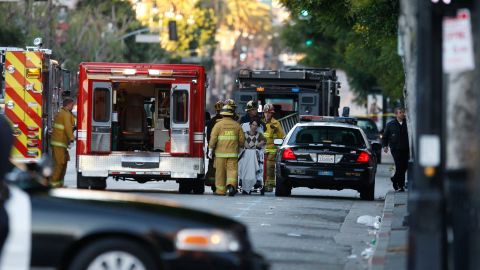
[{"x": 377, "y": 261}]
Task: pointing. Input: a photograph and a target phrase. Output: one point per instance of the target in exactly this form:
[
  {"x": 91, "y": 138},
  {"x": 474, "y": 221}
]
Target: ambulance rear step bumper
[{"x": 140, "y": 163}]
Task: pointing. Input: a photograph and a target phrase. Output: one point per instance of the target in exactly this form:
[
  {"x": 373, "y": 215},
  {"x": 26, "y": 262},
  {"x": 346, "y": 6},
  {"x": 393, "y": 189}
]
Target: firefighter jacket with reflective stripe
[
  {"x": 62, "y": 133},
  {"x": 227, "y": 136},
  {"x": 211, "y": 124},
  {"x": 274, "y": 131}
]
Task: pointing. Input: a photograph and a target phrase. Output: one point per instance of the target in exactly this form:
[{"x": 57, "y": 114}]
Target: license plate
[
  {"x": 326, "y": 159},
  {"x": 325, "y": 173}
]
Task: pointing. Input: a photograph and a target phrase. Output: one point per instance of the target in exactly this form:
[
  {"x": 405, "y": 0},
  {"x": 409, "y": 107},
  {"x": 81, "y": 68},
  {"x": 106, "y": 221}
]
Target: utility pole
[
  {"x": 427, "y": 228},
  {"x": 447, "y": 143}
]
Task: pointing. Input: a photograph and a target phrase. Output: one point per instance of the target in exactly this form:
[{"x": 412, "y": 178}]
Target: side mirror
[
  {"x": 278, "y": 142},
  {"x": 346, "y": 112}
]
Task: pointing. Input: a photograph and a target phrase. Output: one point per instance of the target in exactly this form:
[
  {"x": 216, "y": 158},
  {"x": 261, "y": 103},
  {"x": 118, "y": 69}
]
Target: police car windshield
[{"x": 326, "y": 135}]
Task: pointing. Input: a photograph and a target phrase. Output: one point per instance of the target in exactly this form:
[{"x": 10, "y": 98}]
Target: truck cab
[{"x": 141, "y": 122}]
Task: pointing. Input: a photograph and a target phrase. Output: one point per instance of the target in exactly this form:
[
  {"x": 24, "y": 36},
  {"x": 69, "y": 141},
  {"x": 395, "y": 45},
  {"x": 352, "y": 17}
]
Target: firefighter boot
[{"x": 231, "y": 191}]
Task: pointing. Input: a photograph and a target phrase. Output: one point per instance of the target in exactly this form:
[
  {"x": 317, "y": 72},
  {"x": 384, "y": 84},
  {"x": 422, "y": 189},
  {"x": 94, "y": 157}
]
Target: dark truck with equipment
[{"x": 293, "y": 92}]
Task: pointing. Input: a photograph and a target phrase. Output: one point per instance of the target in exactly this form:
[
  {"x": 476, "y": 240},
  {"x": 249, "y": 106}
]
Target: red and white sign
[{"x": 457, "y": 43}]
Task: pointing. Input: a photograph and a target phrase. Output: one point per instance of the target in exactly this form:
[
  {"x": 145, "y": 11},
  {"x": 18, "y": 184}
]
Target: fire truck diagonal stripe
[
  {"x": 36, "y": 96},
  {"x": 29, "y": 112},
  {"x": 33, "y": 59},
  {"x": 20, "y": 141},
  {"x": 23, "y": 127},
  {"x": 19, "y": 76}
]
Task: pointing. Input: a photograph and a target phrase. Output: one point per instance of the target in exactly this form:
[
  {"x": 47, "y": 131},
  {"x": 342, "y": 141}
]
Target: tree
[{"x": 357, "y": 36}]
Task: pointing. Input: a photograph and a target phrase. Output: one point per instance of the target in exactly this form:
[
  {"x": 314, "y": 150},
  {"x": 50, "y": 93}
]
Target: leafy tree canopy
[{"x": 358, "y": 36}]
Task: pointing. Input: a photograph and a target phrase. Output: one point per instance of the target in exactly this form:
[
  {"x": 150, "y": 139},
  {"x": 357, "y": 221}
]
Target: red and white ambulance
[{"x": 141, "y": 122}]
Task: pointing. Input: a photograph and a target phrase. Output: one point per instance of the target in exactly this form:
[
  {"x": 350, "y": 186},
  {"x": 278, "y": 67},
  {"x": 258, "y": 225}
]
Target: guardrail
[{"x": 289, "y": 121}]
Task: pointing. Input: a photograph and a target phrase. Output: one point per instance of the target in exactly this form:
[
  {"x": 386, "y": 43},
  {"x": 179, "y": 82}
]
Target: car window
[
  {"x": 326, "y": 135},
  {"x": 367, "y": 125}
]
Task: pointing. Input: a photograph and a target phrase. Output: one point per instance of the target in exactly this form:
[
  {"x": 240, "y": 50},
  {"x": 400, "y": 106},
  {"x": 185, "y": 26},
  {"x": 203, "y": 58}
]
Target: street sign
[
  {"x": 457, "y": 43},
  {"x": 147, "y": 38}
]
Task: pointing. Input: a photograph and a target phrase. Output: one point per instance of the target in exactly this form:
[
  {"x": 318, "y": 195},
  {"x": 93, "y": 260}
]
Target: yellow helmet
[
  {"x": 227, "y": 110},
  {"x": 269, "y": 108},
  {"x": 218, "y": 106},
  {"x": 231, "y": 102}
]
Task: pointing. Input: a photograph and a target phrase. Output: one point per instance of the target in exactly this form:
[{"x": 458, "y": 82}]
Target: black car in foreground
[
  {"x": 81, "y": 229},
  {"x": 373, "y": 135},
  {"x": 325, "y": 155}
]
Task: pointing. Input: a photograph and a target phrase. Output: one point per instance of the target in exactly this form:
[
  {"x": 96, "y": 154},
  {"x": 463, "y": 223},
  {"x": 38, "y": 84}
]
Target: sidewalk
[{"x": 392, "y": 239}]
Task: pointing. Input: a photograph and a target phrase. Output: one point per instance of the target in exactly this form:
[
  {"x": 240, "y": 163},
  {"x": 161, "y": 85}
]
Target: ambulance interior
[{"x": 141, "y": 119}]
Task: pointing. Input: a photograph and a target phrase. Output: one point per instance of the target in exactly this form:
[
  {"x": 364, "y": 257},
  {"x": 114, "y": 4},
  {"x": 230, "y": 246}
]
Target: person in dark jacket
[
  {"x": 210, "y": 181},
  {"x": 396, "y": 137},
  {"x": 6, "y": 141}
]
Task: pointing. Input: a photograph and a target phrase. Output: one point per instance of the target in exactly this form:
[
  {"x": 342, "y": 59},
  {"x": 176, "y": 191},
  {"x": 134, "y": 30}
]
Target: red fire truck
[
  {"x": 32, "y": 86},
  {"x": 141, "y": 122}
]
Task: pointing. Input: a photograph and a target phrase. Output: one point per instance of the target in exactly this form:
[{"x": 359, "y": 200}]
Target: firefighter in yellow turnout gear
[
  {"x": 226, "y": 138},
  {"x": 62, "y": 136},
  {"x": 273, "y": 131}
]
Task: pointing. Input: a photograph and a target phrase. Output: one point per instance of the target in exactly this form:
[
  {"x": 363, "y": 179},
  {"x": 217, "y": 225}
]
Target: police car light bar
[{"x": 337, "y": 119}]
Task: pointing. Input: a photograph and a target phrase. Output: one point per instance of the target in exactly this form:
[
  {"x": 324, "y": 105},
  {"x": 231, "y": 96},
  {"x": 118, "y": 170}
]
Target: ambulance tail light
[
  {"x": 158, "y": 72},
  {"x": 129, "y": 71}
]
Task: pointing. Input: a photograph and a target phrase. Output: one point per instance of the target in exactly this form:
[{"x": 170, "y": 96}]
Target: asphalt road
[{"x": 312, "y": 229}]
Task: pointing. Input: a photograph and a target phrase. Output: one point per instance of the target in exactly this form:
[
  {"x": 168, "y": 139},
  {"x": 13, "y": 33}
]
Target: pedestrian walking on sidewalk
[{"x": 396, "y": 137}]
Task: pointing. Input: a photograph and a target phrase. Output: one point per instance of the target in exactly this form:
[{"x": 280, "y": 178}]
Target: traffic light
[
  {"x": 172, "y": 30},
  {"x": 309, "y": 42},
  {"x": 304, "y": 15}
]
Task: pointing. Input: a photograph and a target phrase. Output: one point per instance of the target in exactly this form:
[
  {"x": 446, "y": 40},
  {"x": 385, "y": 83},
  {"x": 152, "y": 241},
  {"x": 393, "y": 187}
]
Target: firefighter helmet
[
  {"x": 251, "y": 105},
  {"x": 231, "y": 102},
  {"x": 218, "y": 106},
  {"x": 227, "y": 110},
  {"x": 269, "y": 108}
]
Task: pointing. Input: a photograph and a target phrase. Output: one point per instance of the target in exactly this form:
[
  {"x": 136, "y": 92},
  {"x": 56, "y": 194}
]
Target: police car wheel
[
  {"x": 113, "y": 254},
  {"x": 282, "y": 188},
  {"x": 368, "y": 192}
]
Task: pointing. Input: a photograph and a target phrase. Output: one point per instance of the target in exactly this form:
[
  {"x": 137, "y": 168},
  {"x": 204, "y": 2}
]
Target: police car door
[{"x": 179, "y": 118}]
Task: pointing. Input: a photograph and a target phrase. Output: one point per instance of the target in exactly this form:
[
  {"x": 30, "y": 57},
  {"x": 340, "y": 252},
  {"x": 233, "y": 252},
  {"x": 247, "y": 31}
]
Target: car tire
[
  {"x": 184, "y": 187},
  {"x": 100, "y": 254},
  {"x": 282, "y": 188},
  {"x": 98, "y": 183},
  {"x": 198, "y": 186},
  {"x": 379, "y": 157},
  {"x": 82, "y": 182},
  {"x": 368, "y": 192}
]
